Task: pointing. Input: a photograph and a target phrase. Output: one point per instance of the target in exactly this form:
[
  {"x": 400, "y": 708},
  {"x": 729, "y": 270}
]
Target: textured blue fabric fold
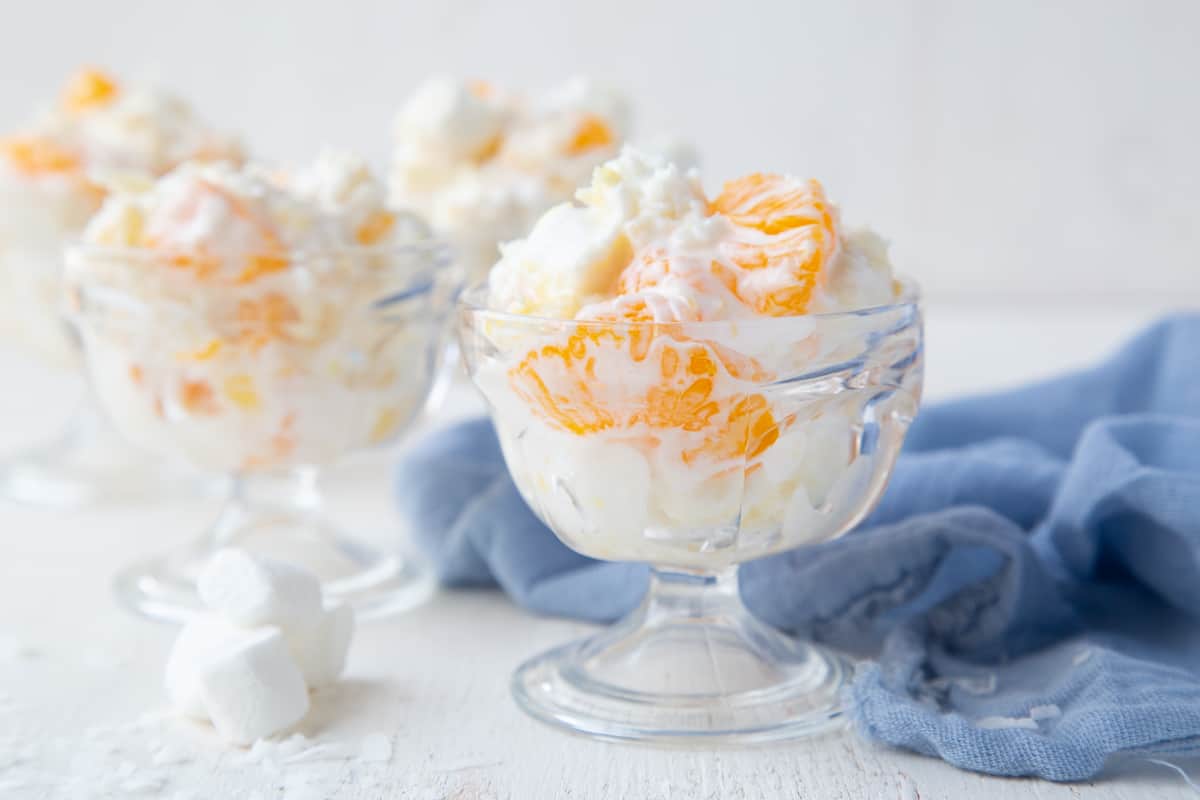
[{"x": 1028, "y": 589}]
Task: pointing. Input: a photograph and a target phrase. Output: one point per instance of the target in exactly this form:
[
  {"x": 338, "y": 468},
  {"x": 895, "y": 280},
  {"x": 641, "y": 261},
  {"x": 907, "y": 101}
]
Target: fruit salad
[
  {"x": 255, "y": 319},
  {"x": 661, "y": 352}
]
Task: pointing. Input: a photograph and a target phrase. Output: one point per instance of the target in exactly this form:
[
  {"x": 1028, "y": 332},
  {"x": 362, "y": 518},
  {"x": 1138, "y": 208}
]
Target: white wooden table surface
[{"x": 76, "y": 672}]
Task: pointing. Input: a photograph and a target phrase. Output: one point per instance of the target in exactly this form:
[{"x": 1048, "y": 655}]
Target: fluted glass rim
[
  {"x": 440, "y": 249},
  {"x": 473, "y": 300},
  {"x": 437, "y": 266}
]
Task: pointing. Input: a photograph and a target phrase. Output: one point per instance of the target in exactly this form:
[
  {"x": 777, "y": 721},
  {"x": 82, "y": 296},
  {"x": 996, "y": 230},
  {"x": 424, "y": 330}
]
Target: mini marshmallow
[
  {"x": 320, "y": 648},
  {"x": 255, "y": 690},
  {"x": 205, "y": 638},
  {"x": 249, "y": 590}
]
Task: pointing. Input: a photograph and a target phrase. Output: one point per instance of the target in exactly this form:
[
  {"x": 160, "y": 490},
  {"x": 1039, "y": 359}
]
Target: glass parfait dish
[
  {"x": 266, "y": 382},
  {"x": 695, "y": 447},
  {"x": 54, "y": 175}
]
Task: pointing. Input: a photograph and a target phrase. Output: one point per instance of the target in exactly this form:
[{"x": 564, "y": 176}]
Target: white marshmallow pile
[{"x": 248, "y": 663}]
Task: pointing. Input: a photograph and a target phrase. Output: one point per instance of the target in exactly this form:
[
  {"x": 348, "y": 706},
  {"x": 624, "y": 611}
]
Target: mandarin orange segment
[
  {"x": 575, "y": 409},
  {"x": 386, "y": 424},
  {"x": 280, "y": 446},
  {"x": 688, "y": 409},
  {"x": 376, "y": 226},
  {"x": 558, "y": 382},
  {"x": 197, "y": 397},
  {"x": 490, "y": 149},
  {"x": 481, "y": 88},
  {"x": 89, "y": 88},
  {"x": 36, "y": 155},
  {"x": 205, "y": 353},
  {"x": 592, "y": 133},
  {"x": 647, "y": 269},
  {"x": 773, "y": 203},
  {"x": 739, "y": 365},
  {"x": 270, "y": 254},
  {"x": 784, "y": 226},
  {"x": 283, "y": 443},
  {"x": 261, "y": 264},
  {"x": 264, "y": 320},
  {"x": 203, "y": 264},
  {"x": 748, "y": 430}
]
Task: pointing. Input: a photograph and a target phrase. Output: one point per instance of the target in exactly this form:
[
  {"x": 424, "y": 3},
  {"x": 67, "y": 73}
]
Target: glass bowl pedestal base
[{"x": 690, "y": 665}]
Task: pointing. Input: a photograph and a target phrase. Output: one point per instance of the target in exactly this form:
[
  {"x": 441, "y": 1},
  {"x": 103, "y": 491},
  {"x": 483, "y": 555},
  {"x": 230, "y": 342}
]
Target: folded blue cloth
[{"x": 1028, "y": 589}]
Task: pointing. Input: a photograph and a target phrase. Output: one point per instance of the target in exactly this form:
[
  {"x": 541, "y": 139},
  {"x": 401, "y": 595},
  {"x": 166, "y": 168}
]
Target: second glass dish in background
[{"x": 267, "y": 382}]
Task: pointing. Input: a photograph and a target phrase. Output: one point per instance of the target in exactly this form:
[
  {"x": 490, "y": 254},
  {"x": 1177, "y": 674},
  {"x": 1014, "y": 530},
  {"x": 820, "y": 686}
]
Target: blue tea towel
[{"x": 1028, "y": 590}]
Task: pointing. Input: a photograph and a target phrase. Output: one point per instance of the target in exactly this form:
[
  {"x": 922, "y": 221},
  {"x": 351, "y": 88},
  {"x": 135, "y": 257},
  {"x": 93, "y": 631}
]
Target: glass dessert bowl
[
  {"x": 262, "y": 324},
  {"x": 267, "y": 385},
  {"x": 53, "y": 176},
  {"x": 693, "y": 382},
  {"x": 695, "y": 447}
]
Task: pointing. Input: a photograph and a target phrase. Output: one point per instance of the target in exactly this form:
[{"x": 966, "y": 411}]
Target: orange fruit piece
[
  {"x": 270, "y": 255},
  {"x": 593, "y": 132},
  {"x": 208, "y": 351},
  {"x": 280, "y": 446},
  {"x": 197, "y": 397},
  {"x": 481, "y": 88},
  {"x": 784, "y": 227},
  {"x": 376, "y": 226},
  {"x": 260, "y": 264},
  {"x": 746, "y": 430},
  {"x": 264, "y": 320},
  {"x": 559, "y": 384},
  {"x": 573, "y": 408},
  {"x": 36, "y": 155},
  {"x": 89, "y": 88}
]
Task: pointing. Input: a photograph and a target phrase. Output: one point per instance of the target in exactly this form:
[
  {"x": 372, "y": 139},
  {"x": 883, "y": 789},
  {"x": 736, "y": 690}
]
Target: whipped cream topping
[
  {"x": 482, "y": 163},
  {"x": 234, "y": 313},
  {"x": 234, "y": 223},
  {"x": 644, "y": 243}
]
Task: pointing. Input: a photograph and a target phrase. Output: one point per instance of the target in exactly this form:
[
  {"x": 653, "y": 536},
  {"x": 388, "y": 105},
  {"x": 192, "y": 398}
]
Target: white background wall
[{"x": 1006, "y": 148}]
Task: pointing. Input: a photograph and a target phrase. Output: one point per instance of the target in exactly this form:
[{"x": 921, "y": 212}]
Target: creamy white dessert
[
  {"x": 54, "y": 176},
  {"x": 482, "y": 163},
  {"x": 662, "y": 423},
  {"x": 254, "y": 320}
]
